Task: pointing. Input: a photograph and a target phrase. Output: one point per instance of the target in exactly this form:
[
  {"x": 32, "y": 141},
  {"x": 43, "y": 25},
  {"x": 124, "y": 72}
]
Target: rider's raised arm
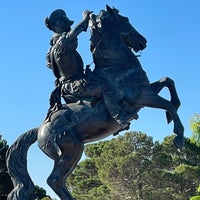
[{"x": 82, "y": 26}]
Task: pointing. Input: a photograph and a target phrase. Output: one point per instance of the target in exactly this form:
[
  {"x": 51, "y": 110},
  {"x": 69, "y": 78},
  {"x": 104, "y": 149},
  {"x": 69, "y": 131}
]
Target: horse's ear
[
  {"x": 109, "y": 9},
  {"x": 115, "y": 10}
]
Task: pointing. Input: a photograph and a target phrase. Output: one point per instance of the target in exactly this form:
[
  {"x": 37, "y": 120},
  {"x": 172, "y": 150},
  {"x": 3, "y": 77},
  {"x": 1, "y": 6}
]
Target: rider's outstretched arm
[{"x": 82, "y": 26}]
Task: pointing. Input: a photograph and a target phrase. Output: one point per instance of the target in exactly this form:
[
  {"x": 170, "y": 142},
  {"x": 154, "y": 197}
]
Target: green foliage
[
  {"x": 5, "y": 180},
  {"x": 195, "y": 127},
  {"x": 46, "y": 198},
  {"x": 3, "y": 149},
  {"x": 84, "y": 182},
  {"x": 39, "y": 192},
  {"x": 134, "y": 167},
  {"x": 195, "y": 198}
]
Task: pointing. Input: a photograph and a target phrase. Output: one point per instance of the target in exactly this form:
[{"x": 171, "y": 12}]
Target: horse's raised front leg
[
  {"x": 72, "y": 150},
  {"x": 169, "y": 83},
  {"x": 150, "y": 99}
]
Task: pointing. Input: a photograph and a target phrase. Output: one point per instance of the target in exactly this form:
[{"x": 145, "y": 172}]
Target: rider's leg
[
  {"x": 116, "y": 109},
  {"x": 112, "y": 101}
]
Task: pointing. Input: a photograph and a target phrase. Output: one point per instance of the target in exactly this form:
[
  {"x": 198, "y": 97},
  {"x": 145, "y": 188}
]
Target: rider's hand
[{"x": 86, "y": 14}]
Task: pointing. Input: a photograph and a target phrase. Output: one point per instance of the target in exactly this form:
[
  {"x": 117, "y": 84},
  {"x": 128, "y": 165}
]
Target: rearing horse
[
  {"x": 112, "y": 41},
  {"x": 62, "y": 138}
]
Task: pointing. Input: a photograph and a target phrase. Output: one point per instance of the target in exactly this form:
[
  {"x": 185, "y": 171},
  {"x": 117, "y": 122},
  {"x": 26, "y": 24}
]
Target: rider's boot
[
  {"x": 115, "y": 107},
  {"x": 122, "y": 129},
  {"x": 124, "y": 118}
]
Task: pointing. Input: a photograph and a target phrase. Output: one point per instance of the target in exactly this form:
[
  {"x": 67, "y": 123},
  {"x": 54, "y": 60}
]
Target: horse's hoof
[{"x": 179, "y": 142}]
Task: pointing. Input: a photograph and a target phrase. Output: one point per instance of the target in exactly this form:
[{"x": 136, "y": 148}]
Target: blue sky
[{"x": 172, "y": 29}]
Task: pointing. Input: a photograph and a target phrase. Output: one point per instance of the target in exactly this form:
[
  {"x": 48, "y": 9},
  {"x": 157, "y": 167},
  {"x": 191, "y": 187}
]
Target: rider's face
[{"x": 61, "y": 25}]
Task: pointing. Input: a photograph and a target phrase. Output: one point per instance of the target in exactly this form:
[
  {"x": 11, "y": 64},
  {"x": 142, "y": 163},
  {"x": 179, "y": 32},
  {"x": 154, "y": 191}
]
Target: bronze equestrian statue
[
  {"x": 67, "y": 65},
  {"x": 88, "y": 115}
]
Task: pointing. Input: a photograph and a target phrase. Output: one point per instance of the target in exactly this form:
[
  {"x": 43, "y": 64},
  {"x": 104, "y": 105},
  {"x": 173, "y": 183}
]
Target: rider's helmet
[{"x": 58, "y": 21}]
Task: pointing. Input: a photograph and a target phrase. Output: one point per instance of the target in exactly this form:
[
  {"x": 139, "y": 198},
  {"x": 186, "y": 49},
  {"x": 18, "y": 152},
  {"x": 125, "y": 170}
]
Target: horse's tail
[{"x": 17, "y": 166}]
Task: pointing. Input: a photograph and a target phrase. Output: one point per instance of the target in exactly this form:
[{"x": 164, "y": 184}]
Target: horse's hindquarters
[{"x": 78, "y": 123}]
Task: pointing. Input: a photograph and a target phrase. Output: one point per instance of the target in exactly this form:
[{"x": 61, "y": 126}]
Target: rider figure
[{"x": 67, "y": 66}]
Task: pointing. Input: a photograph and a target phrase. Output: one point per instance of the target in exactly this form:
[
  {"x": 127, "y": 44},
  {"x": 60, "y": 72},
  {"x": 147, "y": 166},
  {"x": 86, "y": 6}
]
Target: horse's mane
[{"x": 111, "y": 20}]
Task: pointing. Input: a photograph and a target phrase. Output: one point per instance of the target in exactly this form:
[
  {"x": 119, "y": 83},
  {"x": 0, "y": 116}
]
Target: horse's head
[{"x": 110, "y": 20}]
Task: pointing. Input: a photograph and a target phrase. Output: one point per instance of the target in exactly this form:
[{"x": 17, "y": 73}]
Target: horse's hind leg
[
  {"x": 63, "y": 166},
  {"x": 169, "y": 83}
]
